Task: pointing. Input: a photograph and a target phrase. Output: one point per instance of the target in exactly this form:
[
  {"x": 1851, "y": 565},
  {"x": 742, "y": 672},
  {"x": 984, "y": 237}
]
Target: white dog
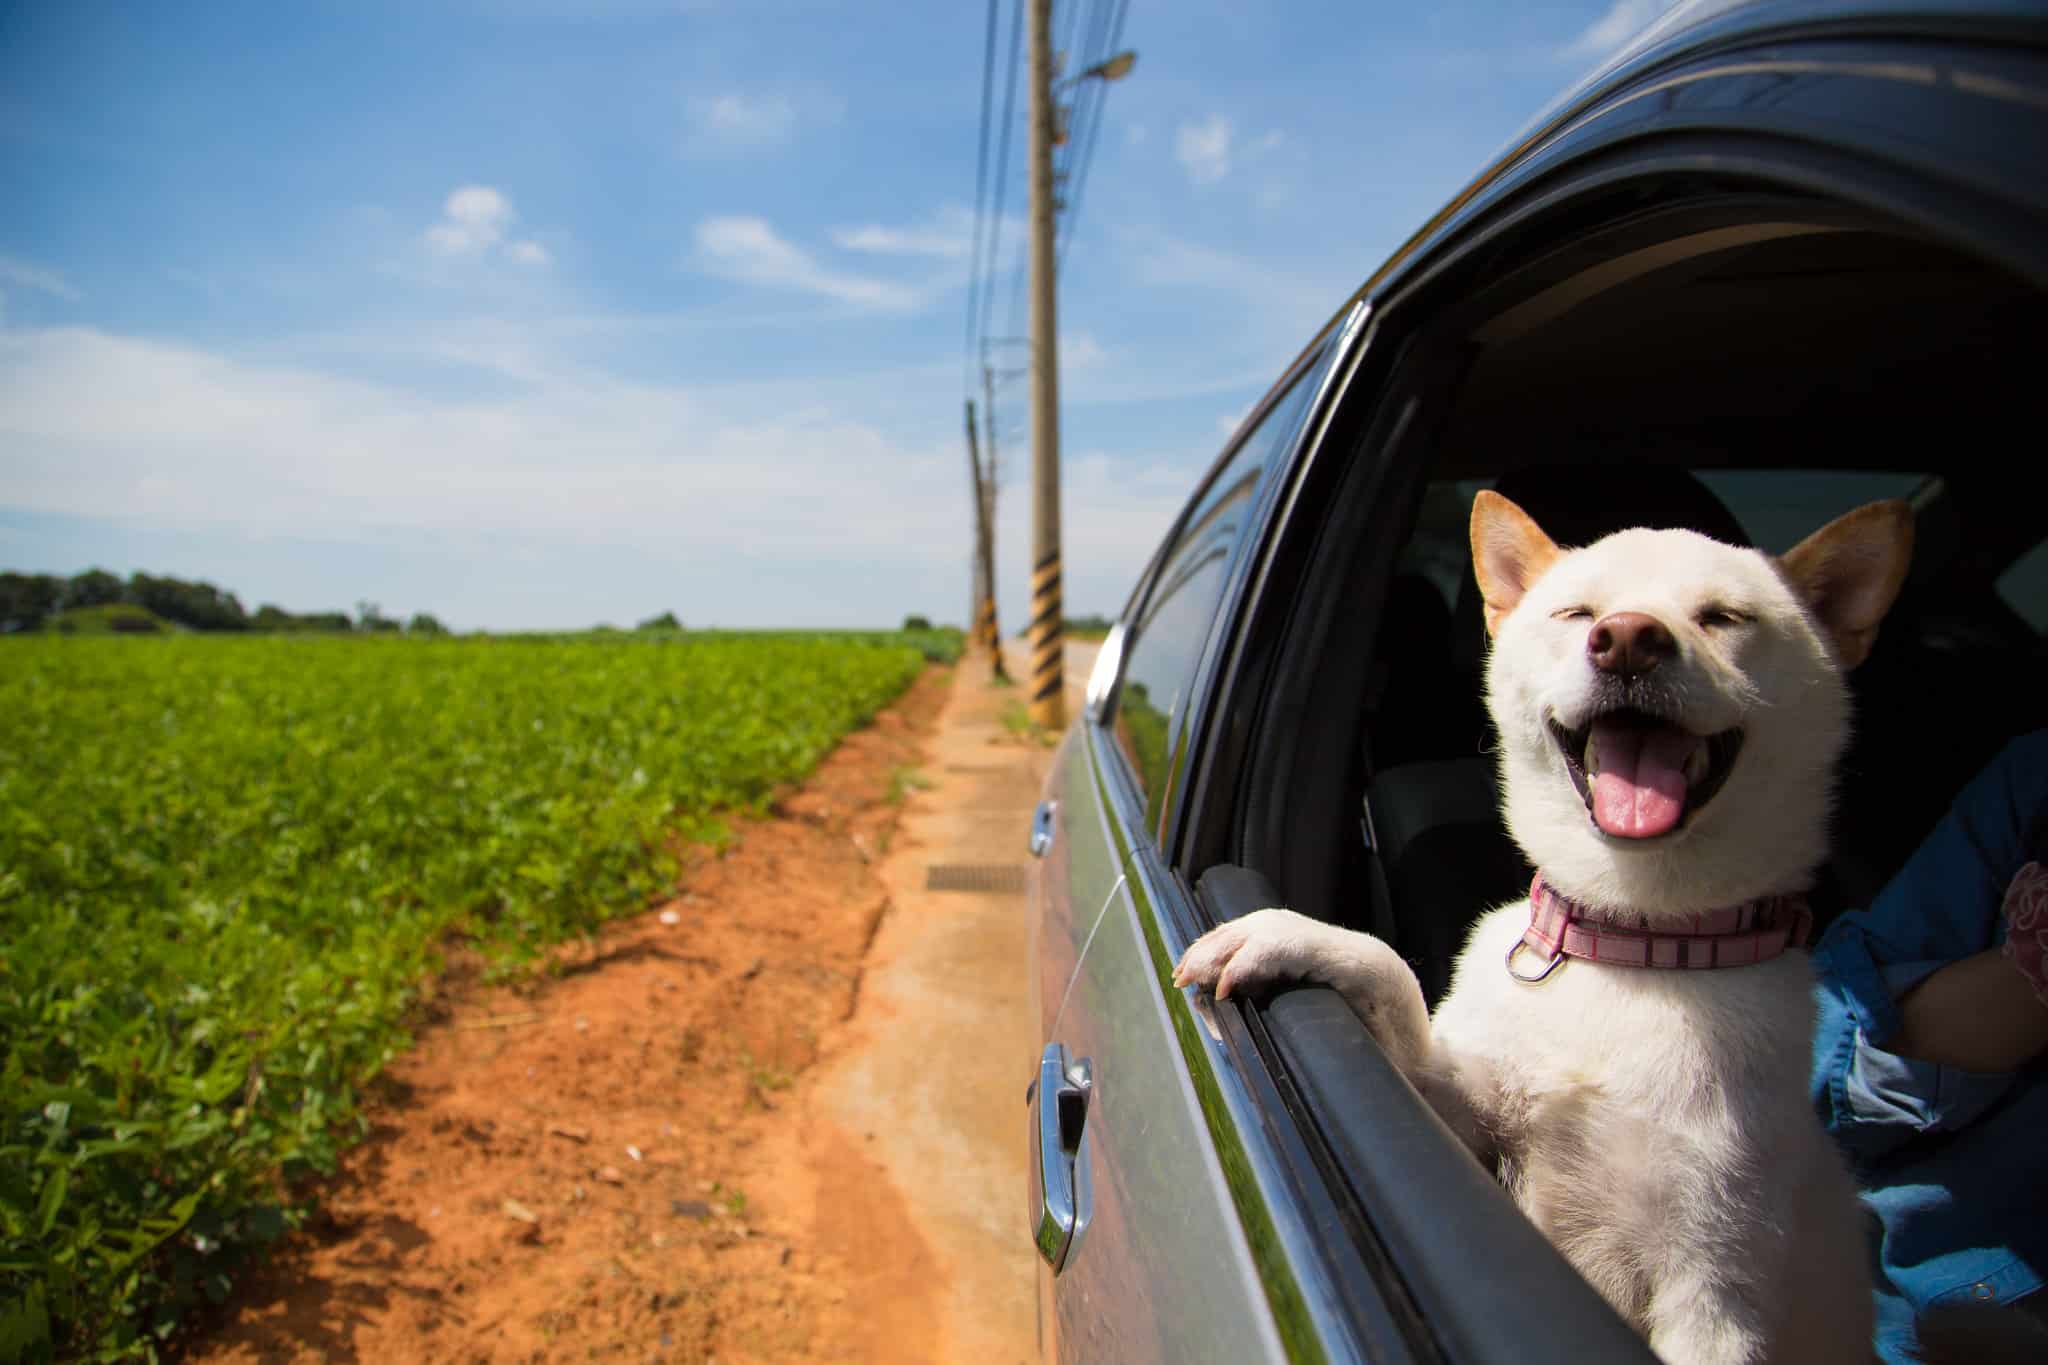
[{"x": 1670, "y": 713}]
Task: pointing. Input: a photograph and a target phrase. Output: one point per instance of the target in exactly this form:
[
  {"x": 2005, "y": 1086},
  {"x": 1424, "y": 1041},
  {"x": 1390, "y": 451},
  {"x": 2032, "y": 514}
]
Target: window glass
[
  {"x": 2024, "y": 587},
  {"x": 1781, "y": 507},
  {"x": 1166, "y": 641}
]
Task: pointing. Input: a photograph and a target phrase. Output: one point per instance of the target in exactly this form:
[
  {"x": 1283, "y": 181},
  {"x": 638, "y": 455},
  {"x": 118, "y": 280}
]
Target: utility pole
[
  {"x": 991, "y": 470},
  {"x": 985, "y": 629},
  {"x": 1048, "y": 626}
]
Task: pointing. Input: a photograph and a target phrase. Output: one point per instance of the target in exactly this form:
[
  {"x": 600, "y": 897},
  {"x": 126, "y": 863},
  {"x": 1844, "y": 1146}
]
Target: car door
[{"x": 1134, "y": 1206}]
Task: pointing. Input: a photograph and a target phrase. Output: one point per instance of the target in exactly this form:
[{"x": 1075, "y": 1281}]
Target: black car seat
[
  {"x": 1443, "y": 853},
  {"x": 1412, "y": 699}
]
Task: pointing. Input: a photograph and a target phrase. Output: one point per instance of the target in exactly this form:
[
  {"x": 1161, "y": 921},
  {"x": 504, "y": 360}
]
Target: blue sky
[{"x": 535, "y": 313}]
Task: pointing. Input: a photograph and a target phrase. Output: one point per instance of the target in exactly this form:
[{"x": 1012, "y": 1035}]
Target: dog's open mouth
[{"x": 1642, "y": 776}]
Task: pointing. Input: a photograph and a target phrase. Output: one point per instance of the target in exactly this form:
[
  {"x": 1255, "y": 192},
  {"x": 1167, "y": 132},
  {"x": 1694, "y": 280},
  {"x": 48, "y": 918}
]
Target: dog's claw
[{"x": 1258, "y": 949}]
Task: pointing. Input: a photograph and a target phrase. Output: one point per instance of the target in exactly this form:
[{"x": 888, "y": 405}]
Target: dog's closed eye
[
  {"x": 1718, "y": 617},
  {"x": 1572, "y": 614}
]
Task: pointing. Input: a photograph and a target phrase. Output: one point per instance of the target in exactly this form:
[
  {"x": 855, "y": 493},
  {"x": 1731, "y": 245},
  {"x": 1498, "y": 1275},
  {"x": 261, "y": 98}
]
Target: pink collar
[{"x": 1739, "y": 936}]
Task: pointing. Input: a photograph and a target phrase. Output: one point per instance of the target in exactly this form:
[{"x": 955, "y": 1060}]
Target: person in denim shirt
[{"x": 1927, "y": 1063}]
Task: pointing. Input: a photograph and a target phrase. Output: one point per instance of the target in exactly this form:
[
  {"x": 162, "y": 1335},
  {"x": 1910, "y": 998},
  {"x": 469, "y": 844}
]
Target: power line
[
  {"x": 1080, "y": 178},
  {"x": 1094, "y": 52},
  {"x": 1100, "y": 35},
  {"x": 995, "y": 236},
  {"x": 1064, "y": 57},
  {"x": 988, "y": 63}
]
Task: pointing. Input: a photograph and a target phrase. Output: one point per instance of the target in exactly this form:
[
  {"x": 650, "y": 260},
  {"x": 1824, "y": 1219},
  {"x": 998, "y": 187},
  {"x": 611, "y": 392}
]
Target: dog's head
[{"x": 1670, "y": 708}]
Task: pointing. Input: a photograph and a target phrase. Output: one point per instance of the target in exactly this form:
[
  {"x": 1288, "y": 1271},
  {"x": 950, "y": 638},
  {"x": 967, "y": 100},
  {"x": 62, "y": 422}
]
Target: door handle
[
  {"x": 1042, "y": 827},
  {"x": 1062, "y": 1186}
]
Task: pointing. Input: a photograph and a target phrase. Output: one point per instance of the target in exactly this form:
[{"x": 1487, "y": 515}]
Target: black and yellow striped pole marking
[
  {"x": 985, "y": 625},
  {"x": 1048, "y": 633}
]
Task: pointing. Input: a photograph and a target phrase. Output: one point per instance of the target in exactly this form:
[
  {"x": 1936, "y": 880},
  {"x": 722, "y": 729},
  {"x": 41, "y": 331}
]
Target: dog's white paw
[
  {"x": 1251, "y": 952},
  {"x": 1270, "y": 948}
]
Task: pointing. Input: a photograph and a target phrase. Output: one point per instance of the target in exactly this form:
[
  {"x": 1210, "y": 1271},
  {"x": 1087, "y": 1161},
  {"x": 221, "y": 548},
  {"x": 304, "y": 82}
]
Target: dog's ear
[
  {"x": 1509, "y": 553},
  {"x": 1850, "y": 571}
]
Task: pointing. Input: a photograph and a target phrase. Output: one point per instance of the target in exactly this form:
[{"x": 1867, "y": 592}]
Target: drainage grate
[{"x": 1001, "y": 878}]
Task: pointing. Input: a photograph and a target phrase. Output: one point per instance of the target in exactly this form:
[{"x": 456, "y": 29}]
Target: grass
[
  {"x": 734, "y": 1200},
  {"x": 903, "y": 781},
  {"x": 1016, "y": 720}
]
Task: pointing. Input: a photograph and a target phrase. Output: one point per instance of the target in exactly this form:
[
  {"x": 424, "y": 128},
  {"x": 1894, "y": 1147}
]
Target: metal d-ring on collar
[{"x": 1557, "y": 956}]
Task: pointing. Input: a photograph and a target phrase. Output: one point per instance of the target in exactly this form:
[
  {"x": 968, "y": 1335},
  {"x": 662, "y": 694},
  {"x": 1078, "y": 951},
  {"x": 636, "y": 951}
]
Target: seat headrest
[{"x": 1578, "y": 504}]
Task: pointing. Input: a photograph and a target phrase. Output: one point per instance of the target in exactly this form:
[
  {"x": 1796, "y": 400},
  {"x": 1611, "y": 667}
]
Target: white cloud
[
  {"x": 1203, "y": 149},
  {"x": 735, "y": 121},
  {"x": 1113, "y": 513},
  {"x": 473, "y": 226},
  {"x": 473, "y": 220},
  {"x": 275, "y": 446},
  {"x": 749, "y": 249},
  {"x": 1080, "y": 351},
  {"x": 1276, "y": 297},
  {"x": 1623, "y": 20},
  {"x": 790, "y": 486},
  {"x": 29, "y": 276},
  {"x": 949, "y": 235}
]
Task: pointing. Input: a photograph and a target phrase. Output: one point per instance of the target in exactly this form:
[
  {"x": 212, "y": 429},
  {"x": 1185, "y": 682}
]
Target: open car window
[{"x": 1163, "y": 650}]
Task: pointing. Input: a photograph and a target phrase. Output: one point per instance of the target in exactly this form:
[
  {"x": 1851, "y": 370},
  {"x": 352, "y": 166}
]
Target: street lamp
[{"x": 1114, "y": 69}]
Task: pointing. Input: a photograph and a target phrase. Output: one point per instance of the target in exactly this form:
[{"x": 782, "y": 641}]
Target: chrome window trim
[{"x": 1107, "y": 673}]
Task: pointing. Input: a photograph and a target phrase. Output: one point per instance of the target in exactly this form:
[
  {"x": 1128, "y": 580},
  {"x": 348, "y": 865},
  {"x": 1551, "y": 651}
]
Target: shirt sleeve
[
  {"x": 1941, "y": 907},
  {"x": 1886, "y": 1099}
]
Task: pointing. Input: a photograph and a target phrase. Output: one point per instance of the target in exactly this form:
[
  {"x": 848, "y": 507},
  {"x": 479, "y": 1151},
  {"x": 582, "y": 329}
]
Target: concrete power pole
[
  {"x": 985, "y": 631},
  {"x": 1048, "y": 626},
  {"x": 991, "y": 470}
]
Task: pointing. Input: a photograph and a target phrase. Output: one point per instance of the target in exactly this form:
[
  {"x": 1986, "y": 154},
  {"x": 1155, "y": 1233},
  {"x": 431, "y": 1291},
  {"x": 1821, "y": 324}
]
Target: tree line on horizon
[{"x": 145, "y": 602}]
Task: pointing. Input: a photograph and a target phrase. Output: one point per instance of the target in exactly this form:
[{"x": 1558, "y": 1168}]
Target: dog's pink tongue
[{"x": 1639, "y": 791}]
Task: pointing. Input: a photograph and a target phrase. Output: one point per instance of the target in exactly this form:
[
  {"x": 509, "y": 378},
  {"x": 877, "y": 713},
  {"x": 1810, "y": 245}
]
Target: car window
[
  {"x": 2024, "y": 587},
  {"x": 1781, "y": 507},
  {"x": 1167, "y": 639}
]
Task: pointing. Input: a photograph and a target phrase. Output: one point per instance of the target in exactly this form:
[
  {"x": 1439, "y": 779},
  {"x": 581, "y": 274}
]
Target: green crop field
[{"x": 226, "y": 865}]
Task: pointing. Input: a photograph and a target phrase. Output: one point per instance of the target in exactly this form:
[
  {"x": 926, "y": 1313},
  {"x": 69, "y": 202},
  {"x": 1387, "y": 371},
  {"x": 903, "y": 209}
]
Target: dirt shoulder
[{"x": 682, "y": 1148}]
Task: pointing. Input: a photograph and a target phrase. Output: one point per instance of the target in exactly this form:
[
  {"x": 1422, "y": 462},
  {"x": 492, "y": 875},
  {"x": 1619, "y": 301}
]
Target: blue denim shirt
[{"x": 1950, "y": 1162}]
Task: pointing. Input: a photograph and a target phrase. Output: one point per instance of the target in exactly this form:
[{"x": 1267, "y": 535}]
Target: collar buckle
[{"x": 1557, "y": 955}]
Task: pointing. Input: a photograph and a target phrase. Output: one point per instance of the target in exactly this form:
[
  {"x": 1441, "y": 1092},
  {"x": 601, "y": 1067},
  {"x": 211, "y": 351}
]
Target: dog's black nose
[{"x": 1629, "y": 643}]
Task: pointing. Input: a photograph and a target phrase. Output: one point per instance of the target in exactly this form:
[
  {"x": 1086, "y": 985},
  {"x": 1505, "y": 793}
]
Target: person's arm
[{"x": 1979, "y": 1013}]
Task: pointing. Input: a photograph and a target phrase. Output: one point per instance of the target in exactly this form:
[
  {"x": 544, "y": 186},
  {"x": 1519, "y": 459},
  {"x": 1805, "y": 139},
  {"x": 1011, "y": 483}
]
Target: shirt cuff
[{"x": 1908, "y": 1096}]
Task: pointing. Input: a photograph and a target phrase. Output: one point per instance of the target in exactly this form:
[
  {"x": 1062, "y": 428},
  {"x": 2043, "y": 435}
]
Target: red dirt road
[{"x": 635, "y": 1159}]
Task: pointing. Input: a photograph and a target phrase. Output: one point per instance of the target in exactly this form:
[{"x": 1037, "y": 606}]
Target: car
[{"x": 1772, "y": 262}]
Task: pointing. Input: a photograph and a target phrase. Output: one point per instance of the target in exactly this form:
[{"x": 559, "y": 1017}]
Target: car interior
[{"x": 1745, "y": 367}]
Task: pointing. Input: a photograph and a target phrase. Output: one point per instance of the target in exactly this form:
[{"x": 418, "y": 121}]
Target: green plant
[
  {"x": 227, "y": 865},
  {"x": 904, "y": 781},
  {"x": 764, "y": 1078}
]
